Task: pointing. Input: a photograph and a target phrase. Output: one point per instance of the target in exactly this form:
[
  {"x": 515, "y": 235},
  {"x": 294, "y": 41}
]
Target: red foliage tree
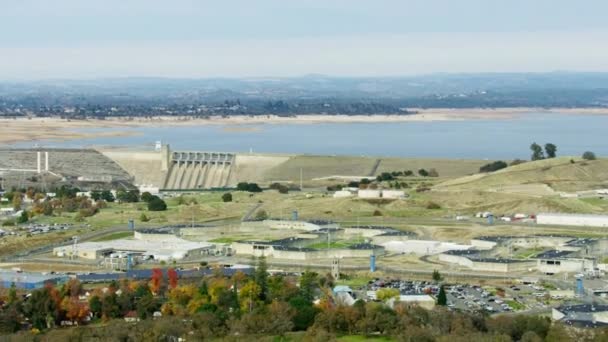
[
  {"x": 172, "y": 275},
  {"x": 156, "y": 281}
]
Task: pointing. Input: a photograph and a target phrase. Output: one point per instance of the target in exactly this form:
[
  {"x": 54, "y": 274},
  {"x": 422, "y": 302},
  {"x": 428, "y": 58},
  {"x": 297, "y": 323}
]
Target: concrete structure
[
  {"x": 198, "y": 170},
  {"x": 422, "y": 247},
  {"x": 29, "y": 281},
  {"x": 166, "y": 247},
  {"x": 369, "y": 194},
  {"x": 564, "y": 265},
  {"x": 343, "y": 194},
  {"x": 472, "y": 260},
  {"x": 589, "y": 315},
  {"x": 572, "y": 220},
  {"x": 279, "y": 251},
  {"x": 309, "y": 226}
]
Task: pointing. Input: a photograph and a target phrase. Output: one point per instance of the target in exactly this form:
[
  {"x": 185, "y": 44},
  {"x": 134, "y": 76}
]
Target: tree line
[{"x": 259, "y": 305}]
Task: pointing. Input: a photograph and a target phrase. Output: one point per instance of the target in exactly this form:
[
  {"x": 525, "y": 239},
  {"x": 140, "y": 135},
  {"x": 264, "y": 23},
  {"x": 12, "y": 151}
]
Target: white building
[
  {"x": 343, "y": 194},
  {"x": 393, "y": 194},
  {"x": 369, "y": 193},
  {"x": 581, "y": 220},
  {"x": 170, "y": 248}
]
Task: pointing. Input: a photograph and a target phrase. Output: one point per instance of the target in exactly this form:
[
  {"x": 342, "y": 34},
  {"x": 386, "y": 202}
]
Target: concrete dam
[
  {"x": 198, "y": 170},
  {"x": 192, "y": 170}
]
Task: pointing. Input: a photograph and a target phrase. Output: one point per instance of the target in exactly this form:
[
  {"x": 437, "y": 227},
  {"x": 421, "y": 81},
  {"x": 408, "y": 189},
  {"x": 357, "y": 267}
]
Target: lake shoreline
[{"x": 34, "y": 129}]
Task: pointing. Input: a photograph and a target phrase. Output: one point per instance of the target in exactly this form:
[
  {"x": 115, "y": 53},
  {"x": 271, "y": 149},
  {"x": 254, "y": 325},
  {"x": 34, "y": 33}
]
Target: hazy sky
[{"x": 187, "y": 38}]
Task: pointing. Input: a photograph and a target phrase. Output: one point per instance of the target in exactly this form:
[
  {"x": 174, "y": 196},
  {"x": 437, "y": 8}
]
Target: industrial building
[
  {"x": 167, "y": 247},
  {"x": 586, "y": 315},
  {"x": 580, "y": 220},
  {"x": 29, "y": 281}
]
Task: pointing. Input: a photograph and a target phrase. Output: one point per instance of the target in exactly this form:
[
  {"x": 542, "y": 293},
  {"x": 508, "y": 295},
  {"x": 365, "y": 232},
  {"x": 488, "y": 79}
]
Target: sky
[{"x": 42, "y": 39}]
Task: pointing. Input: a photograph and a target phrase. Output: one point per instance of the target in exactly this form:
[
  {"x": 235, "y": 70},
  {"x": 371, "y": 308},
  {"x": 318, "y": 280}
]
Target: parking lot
[{"x": 491, "y": 299}]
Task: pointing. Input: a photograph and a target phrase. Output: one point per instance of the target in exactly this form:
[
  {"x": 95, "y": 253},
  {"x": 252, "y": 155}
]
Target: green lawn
[{"x": 515, "y": 306}]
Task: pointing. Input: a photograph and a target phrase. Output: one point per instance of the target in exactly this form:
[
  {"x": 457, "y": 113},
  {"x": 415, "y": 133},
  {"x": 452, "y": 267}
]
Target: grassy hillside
[
  {"x": 531, "y": 187},
  {"x": 324, "y": 166},
  {"x": 560, "y": 174}
]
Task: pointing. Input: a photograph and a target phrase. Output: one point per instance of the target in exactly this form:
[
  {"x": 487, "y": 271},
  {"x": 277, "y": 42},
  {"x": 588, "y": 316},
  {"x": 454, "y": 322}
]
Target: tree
[
  {"x": 146, "y": 196},
  {"x": 261, "y": 215},
  {"x": 494, "y": 166},
  {"x": 442, "y": 298},
  {"x": 96, "y": 195},
  {"x": 156, "y": 281},
  {"x": 173, "y": 278},
  {"x": 130, "y": 196},
  {"x": 227, "y": 197},
  {"x": 261, "y": 277},
  {"x": 433, "y": 173},
  {"x": 23, "y": 218},
  {"x": 95, "y": 305},
  {"x": 550, "y": 150},
  {"x": 17, "y": 201},
  {"x": 157, "y": 204},
  {"x": 537, "y": 152},
  {"x": 588, "y": 155},
  {"x": 250, "y": 187},
  {"x": 385, "y": 294},
  {"x": 305, "y": 313},
  {"x": 308, "y": 284},
  {"x": 437, "y": 276},
  {"x": 423, "y": 173},
  {"x": 107, "y": 196}
]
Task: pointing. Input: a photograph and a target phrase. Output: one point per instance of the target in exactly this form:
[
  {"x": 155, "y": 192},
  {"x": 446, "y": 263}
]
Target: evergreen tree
[
  {"x": 261, "y": 277},
  {"x": 442, "y": 298}
]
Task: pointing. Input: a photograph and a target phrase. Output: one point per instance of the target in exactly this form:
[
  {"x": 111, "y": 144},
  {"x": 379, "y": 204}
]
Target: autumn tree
[
  {"x": 156, "y": 281},
  {"x": 173, "y": 278}
]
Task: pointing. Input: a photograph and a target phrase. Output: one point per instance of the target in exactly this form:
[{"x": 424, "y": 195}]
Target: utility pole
[{"x": 300, "y": 179}]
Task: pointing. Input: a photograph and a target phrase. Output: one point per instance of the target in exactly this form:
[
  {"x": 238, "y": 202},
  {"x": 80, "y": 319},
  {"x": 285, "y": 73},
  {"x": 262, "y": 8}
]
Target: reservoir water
[{"x": 475, "y": 139}]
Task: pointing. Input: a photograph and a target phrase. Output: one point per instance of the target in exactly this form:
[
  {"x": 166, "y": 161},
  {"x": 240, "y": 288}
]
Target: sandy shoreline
[{"x": 57, "y": 129}]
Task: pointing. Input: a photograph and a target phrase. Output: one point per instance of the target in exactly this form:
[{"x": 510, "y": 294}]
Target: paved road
[
  {"x": 250, "y": 212},
  {"x": 49, "y": 248}
]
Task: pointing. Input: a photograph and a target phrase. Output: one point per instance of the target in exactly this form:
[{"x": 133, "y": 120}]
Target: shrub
[
  {"x": 433, "y": 206},
  {"x": 144, "y": 218},
  {"x": 423, "y": 173},
  {"x": 157, "y": 204},
  {"x": 433, "y": 173},
  {"x": 227, "y": 197},
  {"x": 589, "y": 155},
  {"x": 8, "y": 223},
  {"x": 283, "y": 189},
  {"x": 23, "y": 218},
  {"x": 250, "y": 187},
  {"x": 261, "y": 215},
  {"x": 495, "y": 166},
  {"x": 377, "y": 213},
  {"x": 146, "y": 196}
]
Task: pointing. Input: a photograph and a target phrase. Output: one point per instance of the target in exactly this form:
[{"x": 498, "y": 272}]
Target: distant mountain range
[{"x": 311, "y": 92}]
